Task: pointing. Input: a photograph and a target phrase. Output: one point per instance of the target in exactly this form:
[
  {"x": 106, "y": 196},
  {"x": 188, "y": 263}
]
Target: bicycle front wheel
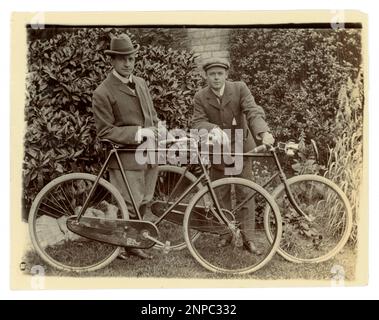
[
  {"x": 222, "y": 244},
  {"x": 330, "y": 223},
  {"x": 55, "y": 203}
]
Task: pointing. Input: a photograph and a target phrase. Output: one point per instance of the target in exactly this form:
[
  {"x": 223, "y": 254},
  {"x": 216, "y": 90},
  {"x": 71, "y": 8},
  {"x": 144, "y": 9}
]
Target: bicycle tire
[
  {"x": 294, "y": 247},
  {"x": 36, "y": 212},
  {"x": 231, "y": 256}
]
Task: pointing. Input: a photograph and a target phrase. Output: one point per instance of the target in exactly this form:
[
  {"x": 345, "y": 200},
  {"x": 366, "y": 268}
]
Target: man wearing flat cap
[
  {"x": 230, "y": 105},
  {"x": 124, "y": 113}
]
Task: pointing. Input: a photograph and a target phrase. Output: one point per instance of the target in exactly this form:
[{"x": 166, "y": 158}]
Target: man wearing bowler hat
[
  {"x": 124, "y": 113},
  {"x": 230, "y": 105}
]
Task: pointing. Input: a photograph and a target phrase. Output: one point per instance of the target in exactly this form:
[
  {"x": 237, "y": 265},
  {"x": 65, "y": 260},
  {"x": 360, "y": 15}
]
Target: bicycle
[
  {"x": 316, "y": 213},
  {"x": 317, "y": 216},
  {"x": 91, "y": 218}
]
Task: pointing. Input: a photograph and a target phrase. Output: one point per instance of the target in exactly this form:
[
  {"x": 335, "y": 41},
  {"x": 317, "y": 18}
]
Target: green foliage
[
  {"x": 295, "y": 74},
  {"x": 173, "y": 80},
  {"x": 163, "y": 37},
  {"x": 345, "y": 165},
  {"x": 64, "y": 70},
  {"x": 306, "y": 161}
]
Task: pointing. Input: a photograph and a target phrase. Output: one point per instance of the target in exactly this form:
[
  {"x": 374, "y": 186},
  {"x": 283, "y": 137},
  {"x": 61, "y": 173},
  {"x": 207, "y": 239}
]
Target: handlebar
[
  {"x": 168, "y": 141},
  {"x": 259, "y": 149},
  {"x": 289, "y": 148}
]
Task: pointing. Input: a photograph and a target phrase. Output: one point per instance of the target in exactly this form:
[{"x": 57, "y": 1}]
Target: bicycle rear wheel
[
  {"x": 220, "y": 246},
  {"x": 323, "y": 237},
  {"x": 171, "y": 183},
  {"x": 58, "y": 200}
]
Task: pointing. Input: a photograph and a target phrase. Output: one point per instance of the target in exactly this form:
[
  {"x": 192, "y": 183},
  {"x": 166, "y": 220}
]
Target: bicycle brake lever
[{"x": 281, "y": 146}]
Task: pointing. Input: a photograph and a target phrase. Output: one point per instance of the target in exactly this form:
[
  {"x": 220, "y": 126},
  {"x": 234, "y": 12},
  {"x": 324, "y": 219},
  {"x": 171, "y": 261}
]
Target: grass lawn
[{"x": 180, "y": 264}]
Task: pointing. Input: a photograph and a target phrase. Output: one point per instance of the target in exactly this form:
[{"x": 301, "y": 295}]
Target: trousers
[
  {"x": 246, "y": 216},
  {"x": 142, "y": 184}
]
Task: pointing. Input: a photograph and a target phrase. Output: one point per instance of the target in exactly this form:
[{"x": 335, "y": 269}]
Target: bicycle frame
[
  {"x": 115, "y": 153},
  {"x": 204, "y": 176},
  {"x": 283, "y": 179},
  {"x": 272, "y": 154}
]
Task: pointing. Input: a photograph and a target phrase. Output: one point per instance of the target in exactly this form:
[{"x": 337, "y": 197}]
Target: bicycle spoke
[
  {"x": 54, "y": 203},
  {"x": 64, "y": 194},
  {"x": 248, "y": 198},
  {"x": 326, "y": 233},
  {"x": 48, "y": 213},
  {"x": 63, "y": 213},
  {"x": 100, "y": 201},
  {"x": 220, "y": 245},
  {"x": 61, "y": 205},
  {"x": 54, "y": 242},
  {"x": 171, "y": 181},
  {"x": 212, "y": 223}
]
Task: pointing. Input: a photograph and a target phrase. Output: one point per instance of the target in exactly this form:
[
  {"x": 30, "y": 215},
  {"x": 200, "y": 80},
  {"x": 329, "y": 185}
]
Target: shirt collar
[
  {"x": 219, "y": 93},
  {"x": 121, "y": 78}
]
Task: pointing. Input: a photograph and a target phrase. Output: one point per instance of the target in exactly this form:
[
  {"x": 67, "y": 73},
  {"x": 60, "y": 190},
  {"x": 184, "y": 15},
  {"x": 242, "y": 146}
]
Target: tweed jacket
[
  {"x": 119, "y": 113},
  {"x": 237, "y": 110}
]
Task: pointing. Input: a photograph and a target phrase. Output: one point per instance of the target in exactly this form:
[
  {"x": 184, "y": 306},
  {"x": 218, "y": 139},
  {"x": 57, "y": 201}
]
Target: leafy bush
[
  {"x": 63, "y": 72},
  {"x": 305, "y": 160},
  {"x": 173, "y": 80},
  {"x": 295, "y": 74},
  {"x": 163, "y": 37}
]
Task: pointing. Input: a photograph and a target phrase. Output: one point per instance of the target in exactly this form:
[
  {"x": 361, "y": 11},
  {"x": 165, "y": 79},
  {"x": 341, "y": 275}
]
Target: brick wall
[{"x": 207, "y": 43}]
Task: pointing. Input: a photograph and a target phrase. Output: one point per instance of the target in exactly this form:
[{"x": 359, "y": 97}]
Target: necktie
[
  {"x": 219, "y": 98},
  {"x": 131, "y": 85}
]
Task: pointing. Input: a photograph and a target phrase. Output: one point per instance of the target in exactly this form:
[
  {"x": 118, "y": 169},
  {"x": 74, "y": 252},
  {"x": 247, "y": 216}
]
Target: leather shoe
[
  {"x": 250, "y": 246},
  {"x": 134, "y": 252}
]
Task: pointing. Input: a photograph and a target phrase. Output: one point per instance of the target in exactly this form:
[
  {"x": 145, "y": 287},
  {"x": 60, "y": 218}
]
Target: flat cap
[{"x": 216, "y": 62}]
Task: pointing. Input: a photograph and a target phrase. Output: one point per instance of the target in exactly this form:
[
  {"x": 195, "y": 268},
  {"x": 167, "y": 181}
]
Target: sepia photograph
[{"x": 164, "y": 150}]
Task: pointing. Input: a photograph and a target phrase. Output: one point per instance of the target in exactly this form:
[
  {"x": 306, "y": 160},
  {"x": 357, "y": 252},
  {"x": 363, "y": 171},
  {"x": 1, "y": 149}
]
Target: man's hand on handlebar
[
  {"x": 267, "y": 138},
  {"x": 147, "y": 133},
  {"x": 218, "y": 136}
]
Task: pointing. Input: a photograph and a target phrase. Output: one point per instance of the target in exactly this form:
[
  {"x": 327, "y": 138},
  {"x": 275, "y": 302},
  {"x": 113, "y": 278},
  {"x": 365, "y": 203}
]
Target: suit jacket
[
  {"x": 119, "y": 113},
  {"x": 238, "y": 104}
]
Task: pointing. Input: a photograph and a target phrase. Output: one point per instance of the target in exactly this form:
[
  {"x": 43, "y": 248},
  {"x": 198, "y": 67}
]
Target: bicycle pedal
[
  {"x": 167, "y": 247},
  {"x": 237, "y": 239}
]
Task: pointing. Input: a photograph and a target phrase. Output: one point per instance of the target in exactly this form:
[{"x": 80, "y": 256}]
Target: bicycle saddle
[{"x": 119, "y": 145}]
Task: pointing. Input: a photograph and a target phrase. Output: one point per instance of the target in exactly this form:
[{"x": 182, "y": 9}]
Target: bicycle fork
[{"x": 289, "y": 193}]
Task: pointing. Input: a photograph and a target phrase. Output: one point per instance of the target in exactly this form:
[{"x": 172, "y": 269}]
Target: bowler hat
[
  {"x": 122, "y": 45},
  {"x": 216, "y": 62}
]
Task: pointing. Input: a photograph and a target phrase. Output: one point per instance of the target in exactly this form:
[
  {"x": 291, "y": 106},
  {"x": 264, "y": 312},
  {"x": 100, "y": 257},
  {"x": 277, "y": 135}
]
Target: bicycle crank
[{"x": 124, "y": 233}]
